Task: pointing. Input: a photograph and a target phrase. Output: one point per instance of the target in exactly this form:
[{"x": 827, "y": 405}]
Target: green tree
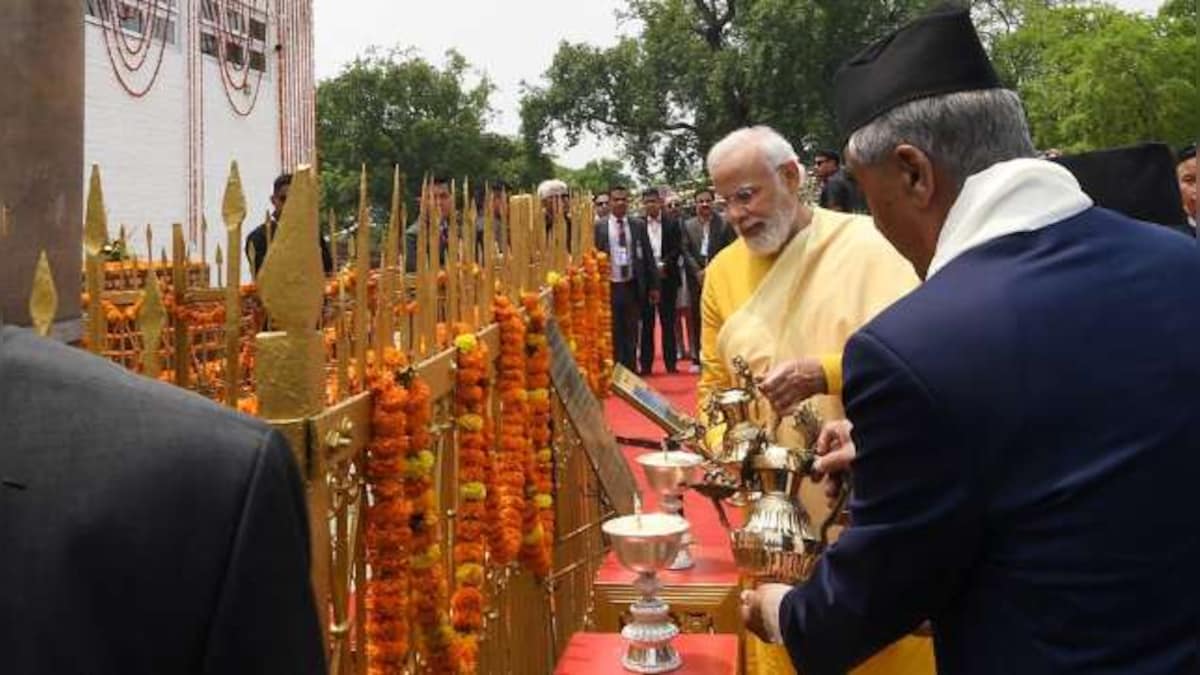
[
  {"x": 596, "y": 176},
  {"x": 392, "y": 108},
  {"x": 1093, "y": 76},
  {"x": 701, "y": 68}
]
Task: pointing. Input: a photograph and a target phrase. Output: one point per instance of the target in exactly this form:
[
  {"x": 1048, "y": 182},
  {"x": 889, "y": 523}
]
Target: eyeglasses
[{"x": 601, "y": 202}]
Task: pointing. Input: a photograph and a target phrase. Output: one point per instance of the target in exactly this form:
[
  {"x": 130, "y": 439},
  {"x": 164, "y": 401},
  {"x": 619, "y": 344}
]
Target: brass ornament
[
  {"x": 152, "y": 319},
  {"x": 291, "y": 281},
  {"x": 43, "y": 300}
]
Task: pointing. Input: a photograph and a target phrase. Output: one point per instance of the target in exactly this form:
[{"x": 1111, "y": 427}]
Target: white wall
[
  {"x": 141, "y": 144},
  {"x": 253, "y": 141}
]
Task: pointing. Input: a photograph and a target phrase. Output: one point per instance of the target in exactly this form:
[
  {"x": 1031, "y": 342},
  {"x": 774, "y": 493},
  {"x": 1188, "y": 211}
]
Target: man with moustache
[
  {"x": 785, "y": 296},
  {"x": 1013, "y": 416},
  {"x": 704, "y": 236}
]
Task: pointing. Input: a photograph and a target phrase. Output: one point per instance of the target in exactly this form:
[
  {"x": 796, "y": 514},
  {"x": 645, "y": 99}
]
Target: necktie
[{"x": 623, "y": 243}]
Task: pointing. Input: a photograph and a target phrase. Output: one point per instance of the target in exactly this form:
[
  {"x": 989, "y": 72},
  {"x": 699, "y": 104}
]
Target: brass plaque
[
  {"x": 634, "y": 391},
  {"x": 587, "y": 416}
]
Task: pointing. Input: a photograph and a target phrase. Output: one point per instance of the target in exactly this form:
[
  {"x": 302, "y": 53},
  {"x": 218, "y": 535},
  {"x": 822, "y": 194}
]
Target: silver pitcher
[{"x": 779, "y": 541}]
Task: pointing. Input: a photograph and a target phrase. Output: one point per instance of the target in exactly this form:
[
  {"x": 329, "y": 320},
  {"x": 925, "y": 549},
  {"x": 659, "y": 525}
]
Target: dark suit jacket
[
  {"x": 256, "y": 249},
  {"x": 672, "y": 250},
  {"x": 645, "y": 272},
  {"x": 720, "y": 236},
  {"x": 144, "y": 529},
  {"x": 1028, "y": 444}
]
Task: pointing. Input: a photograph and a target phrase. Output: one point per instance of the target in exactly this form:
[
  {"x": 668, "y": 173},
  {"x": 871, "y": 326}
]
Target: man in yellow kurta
[{"x": 785, "y": 297}]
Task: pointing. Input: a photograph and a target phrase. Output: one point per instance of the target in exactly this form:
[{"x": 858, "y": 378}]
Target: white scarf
[{"x": 1020, "y": 195}]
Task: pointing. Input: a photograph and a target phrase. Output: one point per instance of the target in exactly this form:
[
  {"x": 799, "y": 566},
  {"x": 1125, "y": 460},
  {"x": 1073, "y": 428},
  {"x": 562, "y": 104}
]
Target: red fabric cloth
[{"x": 714, "y": 559}]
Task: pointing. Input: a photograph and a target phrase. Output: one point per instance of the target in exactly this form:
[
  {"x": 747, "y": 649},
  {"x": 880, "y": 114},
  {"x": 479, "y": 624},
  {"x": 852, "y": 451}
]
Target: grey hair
[
  {"x": 964, "y": 132},
  {"x": 772, "y": 146}
]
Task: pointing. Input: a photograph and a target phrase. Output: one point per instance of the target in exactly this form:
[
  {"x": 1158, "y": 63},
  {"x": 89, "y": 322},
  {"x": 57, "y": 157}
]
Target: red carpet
[{"x": 712, "y": 553}]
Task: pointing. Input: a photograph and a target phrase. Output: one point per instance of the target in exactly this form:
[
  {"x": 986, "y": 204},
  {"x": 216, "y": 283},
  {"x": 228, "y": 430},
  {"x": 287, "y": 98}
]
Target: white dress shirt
[
  {"x": 620, "y": 256},
  {"x": 654, "y": 228}
]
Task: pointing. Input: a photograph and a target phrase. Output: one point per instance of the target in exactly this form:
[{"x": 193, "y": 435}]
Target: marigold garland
[
  {"x": 389, "y": 534},
  {"x": 560, "y": 286},
  {"x": 604, "y": 334},
  {"x": 595, "y": 327},
  {"x": 435, "y": 637},
  {"x": 470, "y": 526},
  {"x": 537, "y": 544},
  {"x": 512, "y": 453}
]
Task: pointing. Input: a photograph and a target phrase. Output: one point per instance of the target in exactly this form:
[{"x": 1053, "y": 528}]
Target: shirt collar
[{"x": 1020, "y": 195}]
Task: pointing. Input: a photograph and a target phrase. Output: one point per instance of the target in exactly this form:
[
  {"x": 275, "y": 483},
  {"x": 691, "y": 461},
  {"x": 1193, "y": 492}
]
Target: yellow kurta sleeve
[{"x": 832, "y": 365}]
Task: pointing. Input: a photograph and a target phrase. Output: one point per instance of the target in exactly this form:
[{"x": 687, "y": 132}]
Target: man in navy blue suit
[{"x": 1026, "y": 424}]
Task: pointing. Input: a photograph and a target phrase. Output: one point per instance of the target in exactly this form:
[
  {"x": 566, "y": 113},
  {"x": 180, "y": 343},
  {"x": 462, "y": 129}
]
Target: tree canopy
[
  {"x": 1091, "y": 75},
  {"x": 392, "y": 108},
  {"x": 596, "y": 176},
  {"x": 700, "y": 68}
]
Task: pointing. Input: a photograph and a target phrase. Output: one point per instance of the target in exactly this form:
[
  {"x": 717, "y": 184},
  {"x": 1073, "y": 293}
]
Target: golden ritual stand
[{"x": 307, "y": 382}]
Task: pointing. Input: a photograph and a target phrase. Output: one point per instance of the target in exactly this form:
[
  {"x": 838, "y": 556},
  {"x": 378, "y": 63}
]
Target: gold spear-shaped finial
[
  {"x": 291, "y": 281},
  {"x": 151, "y": 319},
  {"x": 362, "y": 270},
  {"x": 385, "y": 333},
  {"x": 43, "y": 301},
  {"x": 233, "y": 213},
  {"x": 95, "y": 235}
]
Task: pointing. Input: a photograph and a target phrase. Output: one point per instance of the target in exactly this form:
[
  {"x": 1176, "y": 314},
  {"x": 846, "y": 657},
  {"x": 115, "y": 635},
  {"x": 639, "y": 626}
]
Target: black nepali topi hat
[
  {"x": 1137, "y": 180},
  {"x": 939, "y": 53}
]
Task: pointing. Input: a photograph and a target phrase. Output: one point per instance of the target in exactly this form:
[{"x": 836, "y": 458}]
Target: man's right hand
[{"x": 835, "y": 452}]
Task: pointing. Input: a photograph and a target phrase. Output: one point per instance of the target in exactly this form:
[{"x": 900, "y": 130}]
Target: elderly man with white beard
[{"x": 785, "y": 296}]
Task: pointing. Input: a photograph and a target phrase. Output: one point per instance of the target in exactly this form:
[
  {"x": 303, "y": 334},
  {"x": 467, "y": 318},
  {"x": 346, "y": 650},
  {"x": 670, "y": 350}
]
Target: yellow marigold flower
[
  {"x": 422, "y": 561},
  {"x": 466, "y": 342},
  {"x": 545, "y": 455},
  {"x": 534, "y": 537},
  {"x": 469, "y": 574},
  {"x": 474, "y": 492},
  {"x": 426, "y": 460},
  {"x": 552, "y": 278},
  {"x": 470, "y": 422},
  {"x": 539, "y": 395},
  {"x": 543, "y": 501}
]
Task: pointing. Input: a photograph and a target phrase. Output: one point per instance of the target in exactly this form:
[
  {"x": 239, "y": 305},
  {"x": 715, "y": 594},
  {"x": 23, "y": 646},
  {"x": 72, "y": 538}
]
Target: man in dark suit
[
  {"x": 1013, "y": 416},
  {"x": 258, "y": 241},
  {"x": 145, "y": 529},
  {"x": 666, "y": 245},
  {"x": 703, "y": 238},
  {"x": 634, "y": 276}
]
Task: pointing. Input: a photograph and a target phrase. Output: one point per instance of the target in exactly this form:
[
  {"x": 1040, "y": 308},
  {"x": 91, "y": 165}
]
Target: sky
[{"x": 511, "y": 40}]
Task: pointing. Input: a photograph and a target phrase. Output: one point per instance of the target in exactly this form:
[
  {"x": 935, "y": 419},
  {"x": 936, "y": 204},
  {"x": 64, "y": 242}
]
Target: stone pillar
[{"x": 41, "y": 154}]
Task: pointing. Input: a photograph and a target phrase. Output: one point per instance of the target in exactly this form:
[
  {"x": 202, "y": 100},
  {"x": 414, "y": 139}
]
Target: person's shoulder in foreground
[
  {"x": 151, "y": 529},
  {"x": 1049, "y": 376}
]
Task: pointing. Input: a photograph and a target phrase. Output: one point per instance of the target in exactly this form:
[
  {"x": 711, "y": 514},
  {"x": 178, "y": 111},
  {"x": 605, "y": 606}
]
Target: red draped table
[{"x": 600, "y": 654}]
